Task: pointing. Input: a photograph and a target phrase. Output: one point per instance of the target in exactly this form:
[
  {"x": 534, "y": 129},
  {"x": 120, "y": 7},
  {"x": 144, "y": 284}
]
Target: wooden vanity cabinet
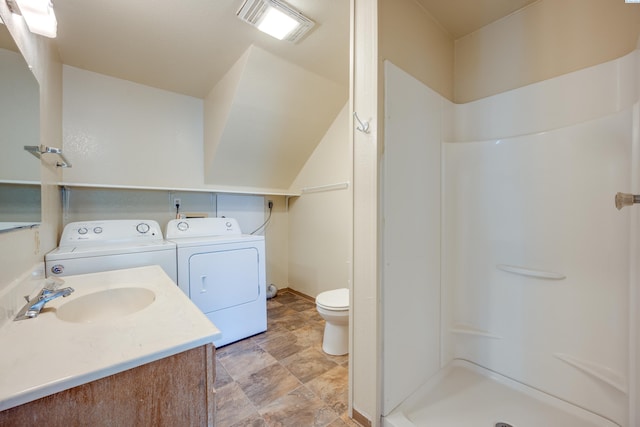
[{"x": 175, "y": 391}]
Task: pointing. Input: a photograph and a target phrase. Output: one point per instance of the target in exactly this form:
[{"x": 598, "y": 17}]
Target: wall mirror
[{"x": 19, "y": 126}]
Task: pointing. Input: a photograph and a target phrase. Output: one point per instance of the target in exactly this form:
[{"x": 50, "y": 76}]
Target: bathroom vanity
[{"x": 90, "y": 359}]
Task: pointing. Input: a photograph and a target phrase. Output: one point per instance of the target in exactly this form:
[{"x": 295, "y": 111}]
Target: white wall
[{"x": 122, "y": 133}]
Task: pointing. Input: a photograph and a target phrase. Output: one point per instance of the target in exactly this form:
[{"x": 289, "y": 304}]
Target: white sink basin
[
  {"x": 114, "y": 321},
  {"x": 105, "y": 305}
]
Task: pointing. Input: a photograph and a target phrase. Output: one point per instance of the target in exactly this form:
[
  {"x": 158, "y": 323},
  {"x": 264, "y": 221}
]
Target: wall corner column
[{"x": 365, "y": 367}]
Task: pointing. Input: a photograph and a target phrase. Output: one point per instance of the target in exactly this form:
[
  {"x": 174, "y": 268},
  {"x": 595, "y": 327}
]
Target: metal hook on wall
[{"x": 364, "y": 126}]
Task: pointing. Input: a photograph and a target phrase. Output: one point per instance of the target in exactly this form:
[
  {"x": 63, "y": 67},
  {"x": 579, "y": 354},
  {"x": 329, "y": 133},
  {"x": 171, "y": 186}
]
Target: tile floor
[{"x": 282, "y": 377}]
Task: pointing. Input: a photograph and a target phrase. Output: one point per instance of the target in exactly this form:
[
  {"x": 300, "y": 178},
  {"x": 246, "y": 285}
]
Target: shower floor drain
[{"x": 503, "y": 425}]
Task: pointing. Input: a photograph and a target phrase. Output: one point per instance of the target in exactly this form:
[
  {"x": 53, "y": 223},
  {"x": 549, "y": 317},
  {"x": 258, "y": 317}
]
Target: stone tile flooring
[{"x": 282, "y": 377}]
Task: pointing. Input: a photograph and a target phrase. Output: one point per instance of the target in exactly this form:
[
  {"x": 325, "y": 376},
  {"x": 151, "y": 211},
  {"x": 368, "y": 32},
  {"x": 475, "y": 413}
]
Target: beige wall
[
  {"x": 364, "y": 320},
  {"x": 320, "y": 222},
  {"x": 545, "y": 40},
  {"x": 405, "y": 34},
  {"x": 411, "y": 39},
  {"x": 21, "y": 250}
]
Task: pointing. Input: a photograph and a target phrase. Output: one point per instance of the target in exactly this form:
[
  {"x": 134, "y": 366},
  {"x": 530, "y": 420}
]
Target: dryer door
[{"x": 224, "y": 279}]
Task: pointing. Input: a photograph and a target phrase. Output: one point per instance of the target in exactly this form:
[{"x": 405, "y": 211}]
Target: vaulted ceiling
[
  {"x": 186, "y": 46},
  {"x": 291, "y": 92}
]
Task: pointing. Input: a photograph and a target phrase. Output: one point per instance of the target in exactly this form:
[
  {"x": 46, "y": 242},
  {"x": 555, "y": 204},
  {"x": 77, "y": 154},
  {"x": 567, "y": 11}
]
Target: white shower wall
[
  {"x": 543, "y": 202},
  {"x": 411, "y": 235},
  {"x": 528, "y": 182}
]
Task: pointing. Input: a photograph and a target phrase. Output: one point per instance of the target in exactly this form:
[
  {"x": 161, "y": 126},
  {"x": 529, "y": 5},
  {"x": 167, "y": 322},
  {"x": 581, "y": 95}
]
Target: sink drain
[{"x": 503, "y": 425}]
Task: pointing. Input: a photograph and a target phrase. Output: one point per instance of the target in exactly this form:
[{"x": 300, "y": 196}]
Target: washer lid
[
  {"x": 337, "y": 299},
  {"x": 86, "y": 251}
]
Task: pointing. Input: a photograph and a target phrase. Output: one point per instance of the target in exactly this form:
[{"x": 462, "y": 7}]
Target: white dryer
[
  {"x": 94, "y": 246},
  {"x": 223, "y": 273}
]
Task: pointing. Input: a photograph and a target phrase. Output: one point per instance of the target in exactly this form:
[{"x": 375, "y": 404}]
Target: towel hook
[{"x": 364, "y": 126}]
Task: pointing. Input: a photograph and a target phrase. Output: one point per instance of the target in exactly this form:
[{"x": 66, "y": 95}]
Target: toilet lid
[{"x": 337, "y": 299}]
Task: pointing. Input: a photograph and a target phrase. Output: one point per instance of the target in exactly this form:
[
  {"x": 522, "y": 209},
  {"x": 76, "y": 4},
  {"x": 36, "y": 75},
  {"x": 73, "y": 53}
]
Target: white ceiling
[{"x": 186, "y": 46}]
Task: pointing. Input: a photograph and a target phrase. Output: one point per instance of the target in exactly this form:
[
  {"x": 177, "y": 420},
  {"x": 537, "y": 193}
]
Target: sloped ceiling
[
  {"x": 267, "y": 102},
  {"x": 186, "y": 46},
  {"x": 275, "y": 118},
  {"x": 462, "y": 17}
]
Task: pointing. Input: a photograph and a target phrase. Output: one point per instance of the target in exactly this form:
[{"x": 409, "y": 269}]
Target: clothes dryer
[
  {"x": 223, "y": 273},
  {"x": 94, "y": 246}
]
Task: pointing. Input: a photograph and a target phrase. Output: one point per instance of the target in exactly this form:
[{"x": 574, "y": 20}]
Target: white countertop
[{"x": 45, "y": 355}]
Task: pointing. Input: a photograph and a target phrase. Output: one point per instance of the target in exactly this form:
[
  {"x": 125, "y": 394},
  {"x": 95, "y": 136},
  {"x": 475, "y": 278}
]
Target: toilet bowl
[{"x": 333, "y": 306}]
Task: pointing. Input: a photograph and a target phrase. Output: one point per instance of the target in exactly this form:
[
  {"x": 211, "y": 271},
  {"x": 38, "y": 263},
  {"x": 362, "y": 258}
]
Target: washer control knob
[
  {"x": 143, "y": 227},
  {"x": 82, "y": 230},
  {"x": 97, "y": 230},
  {"x": 183, "y": 226},
  {"x": 228, "y": 224},
  {"x": 57, "y": 269}
]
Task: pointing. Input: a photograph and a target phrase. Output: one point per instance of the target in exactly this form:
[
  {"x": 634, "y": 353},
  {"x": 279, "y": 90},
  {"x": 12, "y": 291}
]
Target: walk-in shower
[{"x": 509, "y": 274}]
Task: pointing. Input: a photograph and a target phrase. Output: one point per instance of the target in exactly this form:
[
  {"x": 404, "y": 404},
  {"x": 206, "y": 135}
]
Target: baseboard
[
  {"x": 360, "y": 419},
  {"x": 300, "y": 294}
]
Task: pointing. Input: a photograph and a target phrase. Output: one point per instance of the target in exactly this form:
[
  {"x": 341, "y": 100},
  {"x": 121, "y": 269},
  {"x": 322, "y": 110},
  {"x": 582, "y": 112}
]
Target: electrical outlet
[
  {"x": 270, "y": 204},
  {"x": 176, "y": 202}
]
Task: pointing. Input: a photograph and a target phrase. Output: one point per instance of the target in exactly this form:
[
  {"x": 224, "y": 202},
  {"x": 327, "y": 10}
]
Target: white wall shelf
[{"x": 212, "y": 189}]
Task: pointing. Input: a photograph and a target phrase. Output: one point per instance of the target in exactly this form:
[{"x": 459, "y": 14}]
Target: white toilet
[{"x": 333, "y": 306}]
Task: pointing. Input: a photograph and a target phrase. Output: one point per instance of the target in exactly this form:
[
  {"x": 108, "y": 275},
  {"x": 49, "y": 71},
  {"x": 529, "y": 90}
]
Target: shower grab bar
[
  {"x": 626, "y": 199},
  {"x": 539, "y": 274}
]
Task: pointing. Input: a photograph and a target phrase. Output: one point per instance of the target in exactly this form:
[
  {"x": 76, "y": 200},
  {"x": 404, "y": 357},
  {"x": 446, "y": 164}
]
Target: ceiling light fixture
[
  {"x": 275, "y": 18},
  {"x": 38, "y": 15}
]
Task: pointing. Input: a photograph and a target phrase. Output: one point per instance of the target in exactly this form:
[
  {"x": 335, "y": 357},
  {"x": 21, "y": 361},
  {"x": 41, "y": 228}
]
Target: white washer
[
  {"x": 93, "y": 246},
  {"x": 223, "y": 273}
]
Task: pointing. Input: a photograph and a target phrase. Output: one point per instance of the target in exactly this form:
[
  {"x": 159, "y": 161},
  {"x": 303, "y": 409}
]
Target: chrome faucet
[{"x": 33, "y": 307}]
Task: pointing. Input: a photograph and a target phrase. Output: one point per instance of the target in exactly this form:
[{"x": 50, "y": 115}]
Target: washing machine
[
  {"x": 223, "y": 273},
  {"x": 94, "y": 246}
]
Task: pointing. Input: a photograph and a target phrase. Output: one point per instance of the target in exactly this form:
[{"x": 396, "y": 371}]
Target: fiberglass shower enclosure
[{"x": 502, "y": 243}]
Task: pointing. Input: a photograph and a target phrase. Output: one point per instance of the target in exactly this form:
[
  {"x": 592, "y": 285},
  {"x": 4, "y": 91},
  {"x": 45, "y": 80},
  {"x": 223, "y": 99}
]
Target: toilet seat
[{"x": 335, "y": 300}]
